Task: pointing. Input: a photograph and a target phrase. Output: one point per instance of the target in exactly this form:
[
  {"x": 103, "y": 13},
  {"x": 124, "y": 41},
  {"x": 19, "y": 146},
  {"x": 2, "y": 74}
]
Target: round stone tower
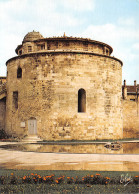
[{"x": 64, "y": 88}]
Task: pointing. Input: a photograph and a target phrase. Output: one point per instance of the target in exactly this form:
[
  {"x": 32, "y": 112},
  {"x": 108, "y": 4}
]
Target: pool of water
[{"x": 89, "y": 148}]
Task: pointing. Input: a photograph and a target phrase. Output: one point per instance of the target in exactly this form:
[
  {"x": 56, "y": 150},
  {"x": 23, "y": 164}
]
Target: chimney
[
  {"x": 135, "y": 83},
  {"x": 125, "y": 91},
  {"x": 124, "y": 83}
]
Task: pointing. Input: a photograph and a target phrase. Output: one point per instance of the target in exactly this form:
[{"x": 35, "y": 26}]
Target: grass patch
[
  {"x": 68, "y": 189},
  {"x": 89, "y": 141},
  {"x": 13, "y": 139},
  {"x": 48, "y": 181}
]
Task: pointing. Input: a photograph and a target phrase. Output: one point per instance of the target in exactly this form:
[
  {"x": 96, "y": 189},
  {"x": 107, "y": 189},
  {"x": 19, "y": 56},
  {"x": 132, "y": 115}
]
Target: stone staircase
[{"x": 31, "y": 139}]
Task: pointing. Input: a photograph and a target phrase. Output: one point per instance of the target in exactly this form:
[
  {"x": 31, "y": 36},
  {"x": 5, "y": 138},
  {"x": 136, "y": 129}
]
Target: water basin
[{"x": 81, "y": 148}]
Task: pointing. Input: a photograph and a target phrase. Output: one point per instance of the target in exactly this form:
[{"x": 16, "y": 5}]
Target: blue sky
[{"x": 115, "y": 22}]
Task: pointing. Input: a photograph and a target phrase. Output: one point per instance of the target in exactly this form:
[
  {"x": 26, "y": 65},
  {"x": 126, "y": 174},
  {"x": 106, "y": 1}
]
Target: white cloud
[
  {"x": 2, "y": 70},
  {"x": 125, "y": 43},
  {"x": 17, "y": 18},
  {"x": 54, "y": 17},
  {"x": 126, "y": 21},
  {"x": 111, "y": 32},
  {"x": 79, "y": 5},
  {"x": 116, "y": 36},
  {"x": 136, "y": 46},
  {"x": 20, "y": 15}
]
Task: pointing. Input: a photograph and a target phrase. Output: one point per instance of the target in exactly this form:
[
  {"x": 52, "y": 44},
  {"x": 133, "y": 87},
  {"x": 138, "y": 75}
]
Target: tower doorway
[{"x": 32, "y": 126}]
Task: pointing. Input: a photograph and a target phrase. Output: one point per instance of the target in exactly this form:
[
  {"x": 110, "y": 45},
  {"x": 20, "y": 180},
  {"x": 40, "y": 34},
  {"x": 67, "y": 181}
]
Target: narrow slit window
[
  {"x": 19, "y": 72},
  {"x": 81, "y": 100},
  {"x": 15, "y": 100}
]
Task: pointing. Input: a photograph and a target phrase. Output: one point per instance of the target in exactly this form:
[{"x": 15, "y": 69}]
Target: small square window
[{"x": 29, "y": 48}]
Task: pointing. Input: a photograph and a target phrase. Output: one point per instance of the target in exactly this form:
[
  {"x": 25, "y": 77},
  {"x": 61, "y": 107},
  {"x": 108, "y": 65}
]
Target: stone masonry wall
[
  {"x": 2, "y": 80},
  {"x": 2, "y": 113},
  {"x": 130, "y": 117},
  {"x": 48, "y": 91},
  {"x": 75, "y": 45},
  {"x": 66, "y": 45}
]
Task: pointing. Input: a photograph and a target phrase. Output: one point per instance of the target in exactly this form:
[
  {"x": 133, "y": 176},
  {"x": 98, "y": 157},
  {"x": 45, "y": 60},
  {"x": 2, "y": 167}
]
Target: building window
[
  {"x": 107, "y": 52},
  {"x": 81, "y": 100},
  {"x": 67, "y": 43},
  {"x": 48, "y": 46},
  {"x": 42, "y": 46},
  {"x": 132, "y": 99},
  {"x": 15, "y": 100},
  {"x": 19, "y": 72},
  {"x": 56, "y": 44},
  {"x": 29, "y": 48},
  {"x": 20, "y": 52}
]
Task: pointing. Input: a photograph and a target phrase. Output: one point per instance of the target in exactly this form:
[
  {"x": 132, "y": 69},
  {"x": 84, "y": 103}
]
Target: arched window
[
  {"x": 19, "y": 72},
  {"x": 81, "y": 100}
]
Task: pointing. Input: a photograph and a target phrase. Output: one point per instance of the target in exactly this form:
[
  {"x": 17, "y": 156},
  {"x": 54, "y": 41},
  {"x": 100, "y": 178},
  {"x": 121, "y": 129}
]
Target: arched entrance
[{"x": 32, "y": 126}]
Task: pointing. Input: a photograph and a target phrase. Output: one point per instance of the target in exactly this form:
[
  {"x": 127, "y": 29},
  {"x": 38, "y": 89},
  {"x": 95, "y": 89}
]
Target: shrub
[
  {"x": 78, "y": 181},
  {"x": 48, "y": 179},
  {"x": 2, "y": 180},
  {"x": 88, "y": 179},
  {"x": 59, "y": 180},
  {"x": 95, "y": 179},
  {"x": 136, "y": 179},
  {"x": 13, "y": 179},
  {"x": 70, "y": 180},
  {"x": 26, "y": 179},
  {"x": 3, "y": 134},
  {"x": 105, "y": 180}
]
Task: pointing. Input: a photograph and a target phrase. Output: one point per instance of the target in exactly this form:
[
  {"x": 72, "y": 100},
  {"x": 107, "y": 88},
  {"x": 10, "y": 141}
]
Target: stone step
[{"x": 31, "y": 138}]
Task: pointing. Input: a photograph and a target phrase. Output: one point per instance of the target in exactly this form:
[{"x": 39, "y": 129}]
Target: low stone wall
[
  {"x": 130, "y": 119},
  {"x": 2, "y": 113}
]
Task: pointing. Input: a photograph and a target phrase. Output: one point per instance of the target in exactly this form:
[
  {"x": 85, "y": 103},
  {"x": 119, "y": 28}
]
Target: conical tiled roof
[{"x": 31, "y": 36}]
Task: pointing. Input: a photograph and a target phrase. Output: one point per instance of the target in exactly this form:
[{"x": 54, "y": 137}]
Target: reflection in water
[
  {"x": 131, "y": 148},
  {"x": 82, "y": 161},
  {"x": 127, "y": 148}
]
